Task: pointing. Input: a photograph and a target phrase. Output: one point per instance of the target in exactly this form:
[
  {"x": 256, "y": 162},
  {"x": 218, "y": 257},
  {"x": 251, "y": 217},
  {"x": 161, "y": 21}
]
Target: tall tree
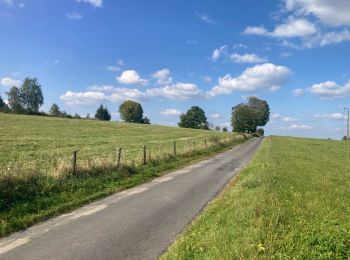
[
  {"x": 55, "y": 110},
  {"x": 243, "y": 119},
  {"x": 131, "y": 112},
  {"x": 194, "y": 118},
  {"x": 14, "y": 100},
  {"x": 262, "y": 110},
  {"x": 247, "y": 117},
  {"x": 102, "y": 114},
  {"x": 31, "y": 95}
]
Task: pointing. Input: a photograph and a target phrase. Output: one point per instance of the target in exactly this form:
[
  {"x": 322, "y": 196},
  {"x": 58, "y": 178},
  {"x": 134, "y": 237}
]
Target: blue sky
[{"x": 170, "y": 55}]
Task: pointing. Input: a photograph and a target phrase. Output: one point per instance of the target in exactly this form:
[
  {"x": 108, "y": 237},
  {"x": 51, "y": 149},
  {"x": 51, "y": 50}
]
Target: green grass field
[
  {"x": 291, "y": 202},
  {"x": 35, "y": 162},
  {"x": 26, "y": 140}
]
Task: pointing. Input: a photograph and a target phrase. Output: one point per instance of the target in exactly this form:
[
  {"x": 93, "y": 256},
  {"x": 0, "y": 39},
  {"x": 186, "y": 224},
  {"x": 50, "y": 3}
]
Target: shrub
[{"x": 260, "y": 131}]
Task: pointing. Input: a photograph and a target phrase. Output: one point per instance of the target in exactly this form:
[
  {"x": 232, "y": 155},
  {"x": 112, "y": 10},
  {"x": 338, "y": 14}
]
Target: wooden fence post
[
  {"x": 189, "y": 144},
  {"x": 205, "y": 142},
  {"x": 118, "y": 155},
  {"x": 144, "y": 155},
  {"x": 74, "y": 162},
  {"x": 174, "y": 148}
]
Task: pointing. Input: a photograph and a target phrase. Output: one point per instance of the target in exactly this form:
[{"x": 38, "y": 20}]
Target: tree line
[{"x": 245, "y": 117}]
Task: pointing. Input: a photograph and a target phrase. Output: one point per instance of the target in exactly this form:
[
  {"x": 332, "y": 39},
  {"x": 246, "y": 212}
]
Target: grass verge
[
  {"x": 26, "y": 201},
  {"x": 290, "y": 202}
]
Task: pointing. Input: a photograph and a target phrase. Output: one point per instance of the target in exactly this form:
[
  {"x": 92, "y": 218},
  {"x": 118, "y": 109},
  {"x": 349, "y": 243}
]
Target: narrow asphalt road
[{"x": 138, "y": 223}]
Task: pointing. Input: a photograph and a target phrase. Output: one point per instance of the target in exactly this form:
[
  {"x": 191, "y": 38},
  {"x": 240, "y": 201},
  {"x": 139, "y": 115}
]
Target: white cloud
[
  {"x": 94, "y": 3},
  {"x": 330, "y": 12},
  {"x": 288, "y": 119},
  {"x": 330, "y": 90},
  {"x": 333, "y": 116},
  {"x": 215, "y": 115},
  {"x": 298, "y": 92},
  {"x": 218, "y": 52},
  {"x": 299, "y": 127},
  {"x": 278, "y": 117},
  {"x": 266, "y": 76},
  {"x": 255, "y": 30},
  {"x": 122, "y": 94},
  {"x": 292, "y": 28},
  {"x": 324, "y": 39},
  {"x": 131, "y": 77},
  {"x": 171, "y": 112},
  {"x": 83, "y": 98},
  {"x": 247, "y": 58},
  {"x": 9, "y": 82},
  {"x": 115, "y": 68},
  {"x": 74, "y": 16},
  {"x": 21, "y": 5},
  {"x": 163, "y": 76},
  {"x": 182, "y": 91},
  {"x": 204, "y": 17},
  {"x": 103, "y": 88},
  {"x": 96, "y": 93}
]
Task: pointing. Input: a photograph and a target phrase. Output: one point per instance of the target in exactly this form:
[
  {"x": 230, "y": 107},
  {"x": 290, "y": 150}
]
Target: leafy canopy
[
  {"x": 194, "y": 118},
  {"x": 132, "y": 112},
  {"x": 247, "y": 117}
]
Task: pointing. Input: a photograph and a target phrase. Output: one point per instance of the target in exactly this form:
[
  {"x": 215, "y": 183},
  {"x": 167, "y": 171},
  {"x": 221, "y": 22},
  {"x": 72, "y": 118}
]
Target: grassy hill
[
  {"x": 35, "y": 162},
  {"x": 28, "y": 140},
  {"x": 290, "y": 202}
]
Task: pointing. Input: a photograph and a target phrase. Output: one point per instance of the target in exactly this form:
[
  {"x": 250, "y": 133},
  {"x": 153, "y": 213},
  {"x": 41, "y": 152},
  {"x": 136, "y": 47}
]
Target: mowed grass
[
  {"x": 35, "y": 186},
  {"x": 291, "y": 202}
]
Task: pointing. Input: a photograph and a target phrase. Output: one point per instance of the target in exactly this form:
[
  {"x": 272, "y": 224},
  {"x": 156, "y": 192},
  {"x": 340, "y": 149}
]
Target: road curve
[{"x": 138, "y": 223}]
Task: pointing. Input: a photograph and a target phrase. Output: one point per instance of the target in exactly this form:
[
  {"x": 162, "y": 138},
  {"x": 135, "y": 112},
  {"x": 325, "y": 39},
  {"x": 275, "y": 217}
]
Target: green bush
[{"x": 260, "y": 131}]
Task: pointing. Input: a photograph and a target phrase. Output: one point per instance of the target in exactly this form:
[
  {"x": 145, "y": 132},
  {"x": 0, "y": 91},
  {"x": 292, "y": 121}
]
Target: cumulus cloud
[
  {"x": 266, "y": 76},
  {"x": 333, "y": 116},
  {"x": 74, "y": 16},
  {"x": 334, "y": 13},
  {"x": 292, "y": 28},
  {"x": 131, "y": 77},
  {"x": 182, "y": 91},
  {"x": 247, "y": 58},
  {"x": 255, "y": 30},
  {"x": 288, "y": 119},
  {"x": 9, "y": 82},
  {"x": 171, "y": 112},
  {"x": 330, "y": 90},
  {"x": 96, "y": 93},
  {"x": 94, "y": 3},
  {"x": 204, "y": 17},
  {"x": 83, "y": 98},
  {"x": 163, "y": 76},
  {"x": 299, "y": 127},
  {"x": 218, "y": 52}
]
